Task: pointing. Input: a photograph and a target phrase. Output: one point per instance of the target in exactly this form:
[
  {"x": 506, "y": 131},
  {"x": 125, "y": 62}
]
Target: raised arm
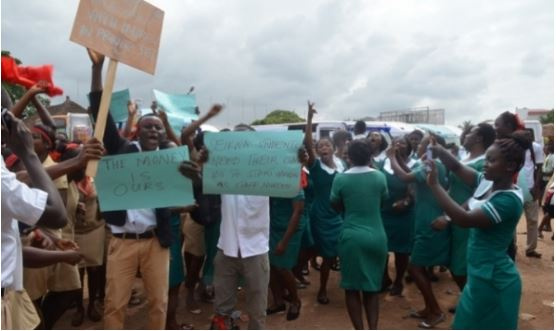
[
  {"x": 91, "y": 150},
  {"x": 44, "y": 114},
  {"x": 468, "y": 175},
  {"x": 19, "y": 107},
  {"x": 399, "y": 171},
  {"x": 113, "y": 142},
  {"x": 20, "y": 141},
  {"x": 170, "y": 134},
  {"x": 188, "y": 131},
  {"x": 309, "y": 133},
  {"x": 475, "y": 218},
  {"x": 131, "y": 114}
]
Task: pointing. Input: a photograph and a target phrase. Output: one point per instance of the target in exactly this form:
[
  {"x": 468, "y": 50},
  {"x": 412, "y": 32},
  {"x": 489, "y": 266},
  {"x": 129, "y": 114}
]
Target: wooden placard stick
[{"x": 100, "y": 124}]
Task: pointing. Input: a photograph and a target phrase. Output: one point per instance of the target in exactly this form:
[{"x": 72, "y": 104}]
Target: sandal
[
  {"x": 425, "y": 325},
  {"x": 276, "y": 309},
  {"x": 417, "y": 314}
]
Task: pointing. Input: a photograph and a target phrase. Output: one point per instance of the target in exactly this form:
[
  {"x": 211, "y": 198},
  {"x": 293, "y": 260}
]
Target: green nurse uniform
[
  {"x": 281, "y": 210},
  {"x": 362, "y": 246},
  {"x": 430, "y": 247},
  {"x": 491, "y": 297}
]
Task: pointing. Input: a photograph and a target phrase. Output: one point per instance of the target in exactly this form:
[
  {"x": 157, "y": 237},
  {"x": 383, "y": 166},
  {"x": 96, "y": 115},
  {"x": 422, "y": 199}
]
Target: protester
[
  {"x": 547, "y": 173},
  {"x": 360, "y": 130},
  {"x": 431, "y": 247},
  {"x": 358, "y": 193},
  {"x": 476, "y": 142},
  {"x": 378, "y": 147},
  {"x": 398, "y": 214},
  {"x": 285, "y": 242},
  {"x": 135, "y": 232},
  {"x": 491, "y": 297},
  {"x": 41, "y": 205},
  {"x": 326, "y": 222},
  {"x": 415, "y": 138}
]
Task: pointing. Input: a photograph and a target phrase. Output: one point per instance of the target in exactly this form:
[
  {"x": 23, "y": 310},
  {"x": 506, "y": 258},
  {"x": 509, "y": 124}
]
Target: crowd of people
[{"x": 360, "y": 198}]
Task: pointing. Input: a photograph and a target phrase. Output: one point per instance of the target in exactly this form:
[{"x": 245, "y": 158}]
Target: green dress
[
  {"x": 398, "y": 226},
  {"x": 491, "y": 297},
  {"x": 281, "y": 210},
  {"x": 362, "y": 247},
  {"x": 326, "y": 223},
  {"x": 430, "y": 247},
  {"x": 460, "y": 193}
]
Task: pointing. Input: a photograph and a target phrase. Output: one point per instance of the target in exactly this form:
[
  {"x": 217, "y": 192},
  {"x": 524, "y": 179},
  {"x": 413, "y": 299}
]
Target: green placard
[
  {"x": 118, "y": 105},
  {"x": 253, "y": 163},
  {"x": 143, "y": 180},
  {"x": 181, "y": 105}
]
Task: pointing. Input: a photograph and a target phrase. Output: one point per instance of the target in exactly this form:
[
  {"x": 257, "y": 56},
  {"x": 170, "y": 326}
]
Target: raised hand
[
  {"x": 20, "y": 138},
  {"x": 96, "y": 58},
  {"x": 311, "y": 108},
  {"x": 215, "y": 110},
  {"x": 131, "y": 108},
  {"x": 40, "y": 87}
]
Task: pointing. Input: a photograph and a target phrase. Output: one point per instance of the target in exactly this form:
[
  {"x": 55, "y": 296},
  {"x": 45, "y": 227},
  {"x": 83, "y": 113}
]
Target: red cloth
[
  {"x": 304, "y": 181},
  {"x": 28, "y": 76}
]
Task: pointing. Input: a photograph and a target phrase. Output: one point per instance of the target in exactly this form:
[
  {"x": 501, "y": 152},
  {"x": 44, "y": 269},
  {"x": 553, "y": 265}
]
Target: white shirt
[
  {"x": 359, "y": 136},
  {"x": 137, "y": 220},
  {"x": 528, "y": 170},
  {"x": 19, "y": 203},
  {"x": 245, "y": 226}
]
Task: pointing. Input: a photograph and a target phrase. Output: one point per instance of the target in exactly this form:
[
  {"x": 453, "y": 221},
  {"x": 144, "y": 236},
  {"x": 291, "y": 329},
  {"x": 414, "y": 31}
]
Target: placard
[
  {"x": 182, "y": 105},
  {"x": 118, "y": 105},
  {"x": 125, "y": 30},
  {"x": 253, "y": 163},
  {"x": 143, "y": 180}
]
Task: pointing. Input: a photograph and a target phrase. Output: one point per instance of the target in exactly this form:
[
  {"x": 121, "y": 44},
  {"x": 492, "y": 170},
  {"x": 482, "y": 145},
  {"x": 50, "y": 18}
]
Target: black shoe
[
  {"x": 293, "y": 311},
  {"x": 276, "y": 309},
  {"x": 78, "y": 317},
  {"x": 93, "y": 313},
  {"x": 534, "y": 254}
]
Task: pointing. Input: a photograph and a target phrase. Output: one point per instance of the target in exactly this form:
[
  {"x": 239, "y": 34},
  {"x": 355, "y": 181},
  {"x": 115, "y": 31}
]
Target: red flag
[{"x": 28, "y": 76}]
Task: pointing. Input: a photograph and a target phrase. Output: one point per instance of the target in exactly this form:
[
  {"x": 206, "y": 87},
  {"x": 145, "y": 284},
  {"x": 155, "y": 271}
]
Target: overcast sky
[{"x": 353, "y": 58}]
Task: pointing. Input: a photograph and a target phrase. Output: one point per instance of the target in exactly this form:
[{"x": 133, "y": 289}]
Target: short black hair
[
  {"x": 487, "y": 132},
  {"x": 360, "y": 127},
  {"x": 359, "y": 153}
]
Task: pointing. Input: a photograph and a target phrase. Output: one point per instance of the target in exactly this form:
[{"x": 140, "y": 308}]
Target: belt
[{"x": 126, "y": 235}]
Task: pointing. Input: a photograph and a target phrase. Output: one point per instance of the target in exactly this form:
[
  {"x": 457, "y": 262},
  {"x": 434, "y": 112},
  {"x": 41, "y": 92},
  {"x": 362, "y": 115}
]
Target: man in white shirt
[
  {"x": 530, "y": 176},
  {"x": 41, "y": 205}
]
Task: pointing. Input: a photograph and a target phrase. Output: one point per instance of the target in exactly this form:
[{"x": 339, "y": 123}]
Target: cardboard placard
[
  {"x": 125, "y": 30},
  {"x": 143, "y": 180},
  {"x": 253, "y": 163}
]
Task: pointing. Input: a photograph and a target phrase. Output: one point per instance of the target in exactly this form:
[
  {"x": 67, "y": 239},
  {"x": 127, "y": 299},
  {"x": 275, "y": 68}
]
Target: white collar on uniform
[
  {"x": 388, "y": 165},
  {"x": 359, "y": 170},
  {"x": 478, "y": 158}
]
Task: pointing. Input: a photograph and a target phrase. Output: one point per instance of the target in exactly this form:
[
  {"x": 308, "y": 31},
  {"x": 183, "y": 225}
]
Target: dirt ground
[{"x": 537, "y": 301}]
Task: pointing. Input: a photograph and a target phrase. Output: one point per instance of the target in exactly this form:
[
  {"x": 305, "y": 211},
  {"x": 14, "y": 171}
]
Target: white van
[{"x": 320, "y": 129}]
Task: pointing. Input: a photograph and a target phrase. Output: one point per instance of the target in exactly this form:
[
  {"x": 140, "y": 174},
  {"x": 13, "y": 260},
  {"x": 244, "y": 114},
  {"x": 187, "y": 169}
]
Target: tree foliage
[
  {"x": 17, "y": 91},
  {"x": 548, "y": 117},
  {"x": 465, "y": 126},
  {"x": 279, "y": 117}
]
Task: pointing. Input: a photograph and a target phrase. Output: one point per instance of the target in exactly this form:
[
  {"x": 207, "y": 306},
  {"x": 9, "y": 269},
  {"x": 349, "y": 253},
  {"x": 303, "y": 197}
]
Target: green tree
[
  {"x": 17, "y": 91},
  {"x": 548, "y": 117},
  {"x": 278, "y": 117}
]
